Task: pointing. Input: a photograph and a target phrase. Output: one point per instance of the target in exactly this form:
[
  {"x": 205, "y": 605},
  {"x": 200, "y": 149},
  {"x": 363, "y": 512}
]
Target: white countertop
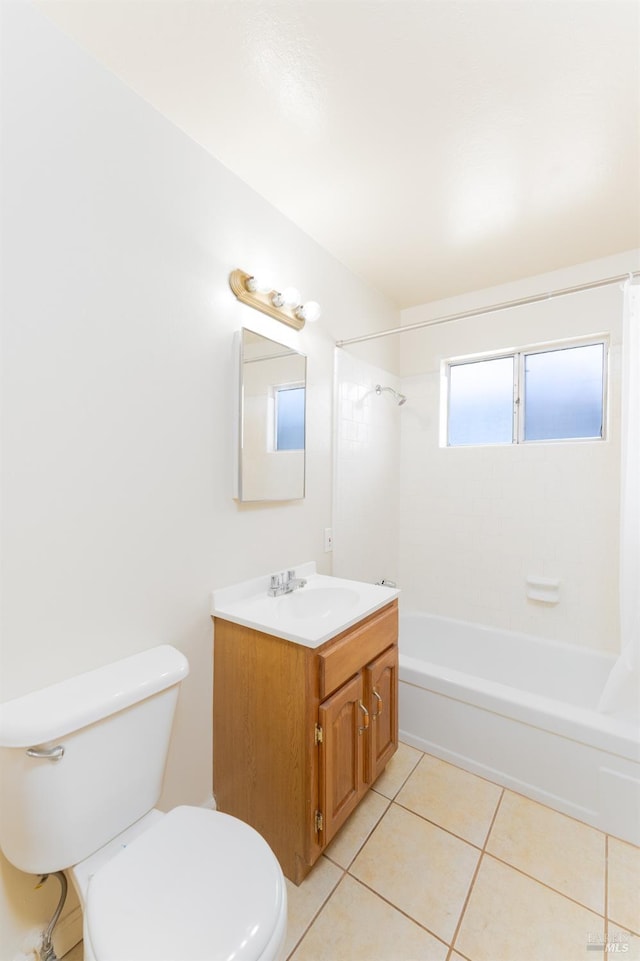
[{"x": 309, "y": 615}]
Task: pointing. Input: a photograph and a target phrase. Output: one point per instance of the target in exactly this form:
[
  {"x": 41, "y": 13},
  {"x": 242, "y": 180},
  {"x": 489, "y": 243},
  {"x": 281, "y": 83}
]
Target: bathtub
[{"x": 521, "y": 711}]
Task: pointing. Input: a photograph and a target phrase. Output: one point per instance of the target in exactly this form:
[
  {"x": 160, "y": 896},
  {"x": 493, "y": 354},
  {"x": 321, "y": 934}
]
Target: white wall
[
  {"x": 475, "y": 522},
  {"x": 118, "y": 517}
]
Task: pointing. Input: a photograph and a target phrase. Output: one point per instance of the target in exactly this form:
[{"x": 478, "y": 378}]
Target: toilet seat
[{"x": 198, "y": 885}]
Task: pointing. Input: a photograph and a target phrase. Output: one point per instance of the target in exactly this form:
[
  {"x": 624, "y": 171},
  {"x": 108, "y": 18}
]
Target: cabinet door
[
  {"x": 381, "y": 696},
  {"x": 343, "y": 718}
]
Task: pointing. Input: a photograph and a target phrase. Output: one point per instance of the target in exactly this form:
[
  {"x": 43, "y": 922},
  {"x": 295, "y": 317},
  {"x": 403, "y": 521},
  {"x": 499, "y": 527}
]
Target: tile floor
[{"x": 440, "y": 865}]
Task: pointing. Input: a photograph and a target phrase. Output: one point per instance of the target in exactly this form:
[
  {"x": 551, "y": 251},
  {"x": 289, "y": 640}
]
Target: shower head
[{"x": 400, "y": 398}]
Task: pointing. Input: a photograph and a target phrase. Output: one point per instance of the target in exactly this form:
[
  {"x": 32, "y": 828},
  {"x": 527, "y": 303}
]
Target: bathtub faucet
[{"x": 284, "y": 583}]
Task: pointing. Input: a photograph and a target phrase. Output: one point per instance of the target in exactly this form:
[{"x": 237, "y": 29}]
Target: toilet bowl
[
  {"x": 82, "y": 770},
  {"x": 196, "y": 884}
]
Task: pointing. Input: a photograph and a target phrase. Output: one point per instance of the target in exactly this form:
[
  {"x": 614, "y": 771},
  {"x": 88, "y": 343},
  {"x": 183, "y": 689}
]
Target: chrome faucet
[{"x": 284, "y": 583}]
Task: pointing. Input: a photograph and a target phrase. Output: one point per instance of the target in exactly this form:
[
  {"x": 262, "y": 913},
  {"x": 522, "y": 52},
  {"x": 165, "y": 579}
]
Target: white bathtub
[{"x": 521, "y": 711}]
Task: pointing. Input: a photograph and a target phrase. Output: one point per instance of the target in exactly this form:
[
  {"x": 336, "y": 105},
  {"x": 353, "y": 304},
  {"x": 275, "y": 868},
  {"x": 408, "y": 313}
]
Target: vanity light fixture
[{"x": 282, "y": 305}]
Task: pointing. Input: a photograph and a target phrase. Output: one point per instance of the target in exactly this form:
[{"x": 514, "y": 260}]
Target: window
[
  {"x": 563, "y": 393},
  {"x": 481, "y": 402},
  {"x": 289, "y": 410},
  {"x": 541, "y": 394}
]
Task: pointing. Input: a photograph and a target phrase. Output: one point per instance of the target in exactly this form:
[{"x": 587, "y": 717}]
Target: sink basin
[
  {"x": 317, "y": 602},
  {"x": 310, "y": 615}
]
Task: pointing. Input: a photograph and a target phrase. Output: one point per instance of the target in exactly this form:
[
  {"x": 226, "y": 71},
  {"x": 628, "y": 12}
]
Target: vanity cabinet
[{"x": 300, "y": 734}]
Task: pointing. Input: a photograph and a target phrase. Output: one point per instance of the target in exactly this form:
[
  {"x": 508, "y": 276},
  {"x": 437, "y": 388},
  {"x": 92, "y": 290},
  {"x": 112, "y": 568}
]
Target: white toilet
[{"x": 82, "y": 767}]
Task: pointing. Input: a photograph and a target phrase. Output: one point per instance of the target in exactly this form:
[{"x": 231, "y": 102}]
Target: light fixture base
[{"x": 262, "y": 301}]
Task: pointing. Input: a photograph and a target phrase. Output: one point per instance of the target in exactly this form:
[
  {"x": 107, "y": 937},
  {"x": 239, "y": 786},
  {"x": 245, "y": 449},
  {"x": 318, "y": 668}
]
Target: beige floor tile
[
  {"x": 456, "y": 800},
  {"x": 510, "y": 917},
  {"x": 306, "y": 899},
  {"x": 624, "y": 884},
  {"x": 356, "y": 925},
  {"x": 357, "y": 829},
  {"x": 419, "y": 868},
  {"x": 565, "y": 854},
  {"x": 397, "y": 770}
]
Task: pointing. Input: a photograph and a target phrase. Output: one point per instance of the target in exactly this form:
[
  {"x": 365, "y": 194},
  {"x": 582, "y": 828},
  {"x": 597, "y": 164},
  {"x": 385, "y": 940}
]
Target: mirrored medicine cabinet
[{"x": 271, "y": 428}]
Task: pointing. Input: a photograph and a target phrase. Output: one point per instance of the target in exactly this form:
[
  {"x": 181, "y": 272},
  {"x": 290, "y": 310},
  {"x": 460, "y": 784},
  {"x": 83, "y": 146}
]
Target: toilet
[{"x": 82, "y": 764}]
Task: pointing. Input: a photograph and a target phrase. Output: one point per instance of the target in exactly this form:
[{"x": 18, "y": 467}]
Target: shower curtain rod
[{"x": 479, "y": 311}]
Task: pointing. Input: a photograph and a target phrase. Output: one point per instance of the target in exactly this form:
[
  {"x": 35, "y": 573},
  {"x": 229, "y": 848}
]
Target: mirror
[{"x": 273, "y": 387}]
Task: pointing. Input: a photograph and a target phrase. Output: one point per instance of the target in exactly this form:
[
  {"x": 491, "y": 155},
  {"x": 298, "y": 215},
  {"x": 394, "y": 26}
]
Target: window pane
[
  {"x": 481, "y": 402},
  {"x": 290, "y": 418},
  {"x": 563, "y": 393}
]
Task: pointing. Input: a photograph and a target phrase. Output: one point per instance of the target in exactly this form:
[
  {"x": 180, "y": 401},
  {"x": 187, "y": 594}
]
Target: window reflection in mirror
[
  {"x": 272, "y": 420},
  {"x": 289, "y": 417}
]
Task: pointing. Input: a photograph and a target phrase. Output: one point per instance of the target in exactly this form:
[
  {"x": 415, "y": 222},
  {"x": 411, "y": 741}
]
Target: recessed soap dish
[{"x": 544, "y": 589}]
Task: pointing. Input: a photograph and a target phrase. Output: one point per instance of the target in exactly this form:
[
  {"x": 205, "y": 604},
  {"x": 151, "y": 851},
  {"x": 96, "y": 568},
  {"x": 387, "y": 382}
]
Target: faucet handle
[
  {"x": 289, "y": 576},
  {"x": 276, "y": 581}
]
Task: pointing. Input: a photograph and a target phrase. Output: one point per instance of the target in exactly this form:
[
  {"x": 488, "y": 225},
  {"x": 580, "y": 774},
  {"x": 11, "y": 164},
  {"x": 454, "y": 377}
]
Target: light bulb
[
  {"x": 309, "y": 312},
  {"x": 291, "y": 297},
  {"x": 259, "y": 283}
]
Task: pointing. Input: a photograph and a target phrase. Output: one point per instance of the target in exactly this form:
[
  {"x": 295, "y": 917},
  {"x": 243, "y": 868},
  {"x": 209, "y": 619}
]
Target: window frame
[{"x": 519, "y": 355}]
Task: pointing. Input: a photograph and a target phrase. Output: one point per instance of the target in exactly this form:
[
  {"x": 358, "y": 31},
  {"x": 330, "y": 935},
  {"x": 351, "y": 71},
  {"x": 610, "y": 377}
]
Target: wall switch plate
[{"x": 328, "y": 540}]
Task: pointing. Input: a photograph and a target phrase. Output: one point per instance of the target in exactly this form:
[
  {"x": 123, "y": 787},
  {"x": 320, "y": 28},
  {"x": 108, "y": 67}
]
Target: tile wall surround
[
  {"x": 367, "y": 456},
  {"x": 474, "y": 523}
]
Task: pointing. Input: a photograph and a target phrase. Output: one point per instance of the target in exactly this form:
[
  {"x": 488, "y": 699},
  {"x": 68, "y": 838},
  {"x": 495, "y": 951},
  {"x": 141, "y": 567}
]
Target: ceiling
[{"x": 433, "y": 146}]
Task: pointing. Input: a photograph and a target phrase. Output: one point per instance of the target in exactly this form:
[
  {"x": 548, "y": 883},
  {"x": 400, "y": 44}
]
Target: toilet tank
[{"x": 113, "y": 725}]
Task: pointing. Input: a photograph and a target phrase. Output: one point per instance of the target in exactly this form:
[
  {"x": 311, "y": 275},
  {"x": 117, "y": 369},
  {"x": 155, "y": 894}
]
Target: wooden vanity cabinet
[{"x": 299, "y": 733}]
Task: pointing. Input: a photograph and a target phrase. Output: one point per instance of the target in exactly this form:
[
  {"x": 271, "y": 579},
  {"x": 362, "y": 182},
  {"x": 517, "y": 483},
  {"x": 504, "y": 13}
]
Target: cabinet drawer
[{"x": 357, "y": 647}]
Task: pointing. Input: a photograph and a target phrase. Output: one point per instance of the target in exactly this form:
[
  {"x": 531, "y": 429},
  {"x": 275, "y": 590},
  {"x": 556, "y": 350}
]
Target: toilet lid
[{"x": 198, "y": 885}]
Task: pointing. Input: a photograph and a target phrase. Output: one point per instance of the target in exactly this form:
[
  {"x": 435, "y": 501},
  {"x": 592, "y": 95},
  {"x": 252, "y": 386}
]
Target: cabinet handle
[
  {"x": 380, "y": 704},
  {"x": 364, "y": 727}
]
